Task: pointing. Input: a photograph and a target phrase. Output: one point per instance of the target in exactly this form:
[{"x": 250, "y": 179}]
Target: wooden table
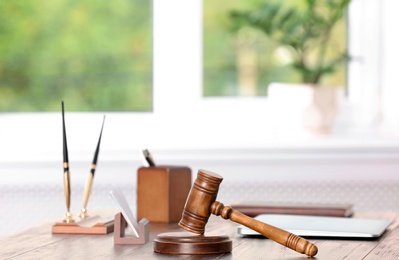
[{"x": 39, "y": 243}]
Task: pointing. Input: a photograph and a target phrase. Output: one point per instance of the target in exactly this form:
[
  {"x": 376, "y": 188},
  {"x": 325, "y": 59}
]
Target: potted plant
[{"x": 306, "y": 32}]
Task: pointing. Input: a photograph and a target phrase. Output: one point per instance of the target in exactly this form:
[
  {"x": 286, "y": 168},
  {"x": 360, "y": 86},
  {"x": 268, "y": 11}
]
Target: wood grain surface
[{"x": 39, "y": 243}]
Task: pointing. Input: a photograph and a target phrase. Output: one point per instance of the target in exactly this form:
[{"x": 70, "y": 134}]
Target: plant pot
[{"x": 309, "y": 107}]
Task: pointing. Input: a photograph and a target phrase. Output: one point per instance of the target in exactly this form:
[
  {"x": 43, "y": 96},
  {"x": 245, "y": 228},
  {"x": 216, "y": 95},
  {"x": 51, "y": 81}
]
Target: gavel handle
[{"x": 281, "y": 236}]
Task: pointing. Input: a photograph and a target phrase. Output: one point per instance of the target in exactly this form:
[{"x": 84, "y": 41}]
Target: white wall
[
  {"x": 365, "y": 176},
  {"x": 357, "y": 164}
]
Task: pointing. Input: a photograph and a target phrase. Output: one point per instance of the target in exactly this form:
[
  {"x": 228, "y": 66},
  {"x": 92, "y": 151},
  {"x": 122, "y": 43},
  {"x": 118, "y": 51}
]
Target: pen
[
  {"x": 89, "y": 183},
  {"x": 67, "y": 186},
  {"x": 148, "y": 157}
]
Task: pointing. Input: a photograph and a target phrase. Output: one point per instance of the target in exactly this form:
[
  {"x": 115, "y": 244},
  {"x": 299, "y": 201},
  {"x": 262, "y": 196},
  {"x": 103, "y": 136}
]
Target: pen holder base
[
  {"x": 72, "y": 228},
  {"x": 162, "y": 192},
  {"x": 101, "y": 224},
  {"x": 119, "y": 233}
]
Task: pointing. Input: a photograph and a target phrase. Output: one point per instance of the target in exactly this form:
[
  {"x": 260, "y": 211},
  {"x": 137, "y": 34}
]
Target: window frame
[{"x": 183, "y": 120}]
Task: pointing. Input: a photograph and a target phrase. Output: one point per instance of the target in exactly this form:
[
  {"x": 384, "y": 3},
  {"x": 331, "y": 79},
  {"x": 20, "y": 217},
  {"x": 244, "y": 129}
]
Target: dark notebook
[{"x": 309, "y": 209}]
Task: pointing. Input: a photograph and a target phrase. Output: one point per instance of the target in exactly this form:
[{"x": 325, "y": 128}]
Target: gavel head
[{"x": 202, "y": 194}]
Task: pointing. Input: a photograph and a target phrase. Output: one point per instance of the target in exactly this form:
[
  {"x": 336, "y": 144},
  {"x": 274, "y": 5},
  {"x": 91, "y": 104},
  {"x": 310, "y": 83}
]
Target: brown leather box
[{"x": 162, "y": 192}]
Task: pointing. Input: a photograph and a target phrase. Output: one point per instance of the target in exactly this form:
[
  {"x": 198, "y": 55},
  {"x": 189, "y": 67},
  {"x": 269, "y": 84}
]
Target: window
[
  {"x": 183, "y": 119},
  {"x": 249, "y": 44},
  {"x": 96, "y": 56}
]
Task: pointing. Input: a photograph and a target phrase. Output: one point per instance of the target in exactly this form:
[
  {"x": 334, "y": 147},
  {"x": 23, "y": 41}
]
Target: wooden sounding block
[
  {"x": 183, "y": 243},
  {"x": 119, "y": 233},
  {"x": 162, "y": 192}
]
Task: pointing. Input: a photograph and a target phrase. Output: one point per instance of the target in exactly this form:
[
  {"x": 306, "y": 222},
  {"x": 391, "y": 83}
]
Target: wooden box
[{"x": 162, "y": 192}]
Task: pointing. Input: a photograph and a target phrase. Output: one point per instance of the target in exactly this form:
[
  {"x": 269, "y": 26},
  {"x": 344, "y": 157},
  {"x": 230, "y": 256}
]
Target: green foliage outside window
[
  {"x": 94, "y": 55},
  {"x": 247, "y": 44}
]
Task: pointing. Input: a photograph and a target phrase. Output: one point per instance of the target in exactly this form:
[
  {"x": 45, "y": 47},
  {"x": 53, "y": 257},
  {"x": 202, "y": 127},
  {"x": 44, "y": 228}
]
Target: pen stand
[
  {"x": 162, "y": 192},
  {"x": 119, "y": 233},
  {"x": 99, "y": 227}
]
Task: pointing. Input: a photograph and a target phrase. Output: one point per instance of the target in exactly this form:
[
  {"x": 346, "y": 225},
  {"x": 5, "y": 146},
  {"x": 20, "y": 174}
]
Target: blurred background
[{"x": 190, "y": 81}]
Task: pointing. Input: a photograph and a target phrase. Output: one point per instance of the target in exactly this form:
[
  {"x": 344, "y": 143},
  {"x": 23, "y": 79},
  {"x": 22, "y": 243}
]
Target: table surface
[{"x": 40, "y": 243}]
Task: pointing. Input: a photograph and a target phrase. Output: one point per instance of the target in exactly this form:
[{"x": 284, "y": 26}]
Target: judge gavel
[{"x": 201, "y": 202}]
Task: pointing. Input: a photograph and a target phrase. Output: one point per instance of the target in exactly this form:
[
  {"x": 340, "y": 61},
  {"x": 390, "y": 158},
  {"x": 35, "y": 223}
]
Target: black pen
[
  {"x": 67, "y": 182},
  {"x": 148, "y": 157},
  {"x": 89, "y": 183}
]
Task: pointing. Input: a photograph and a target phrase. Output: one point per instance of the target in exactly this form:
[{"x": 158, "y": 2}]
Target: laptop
[{"x": 320, "y": 226}]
